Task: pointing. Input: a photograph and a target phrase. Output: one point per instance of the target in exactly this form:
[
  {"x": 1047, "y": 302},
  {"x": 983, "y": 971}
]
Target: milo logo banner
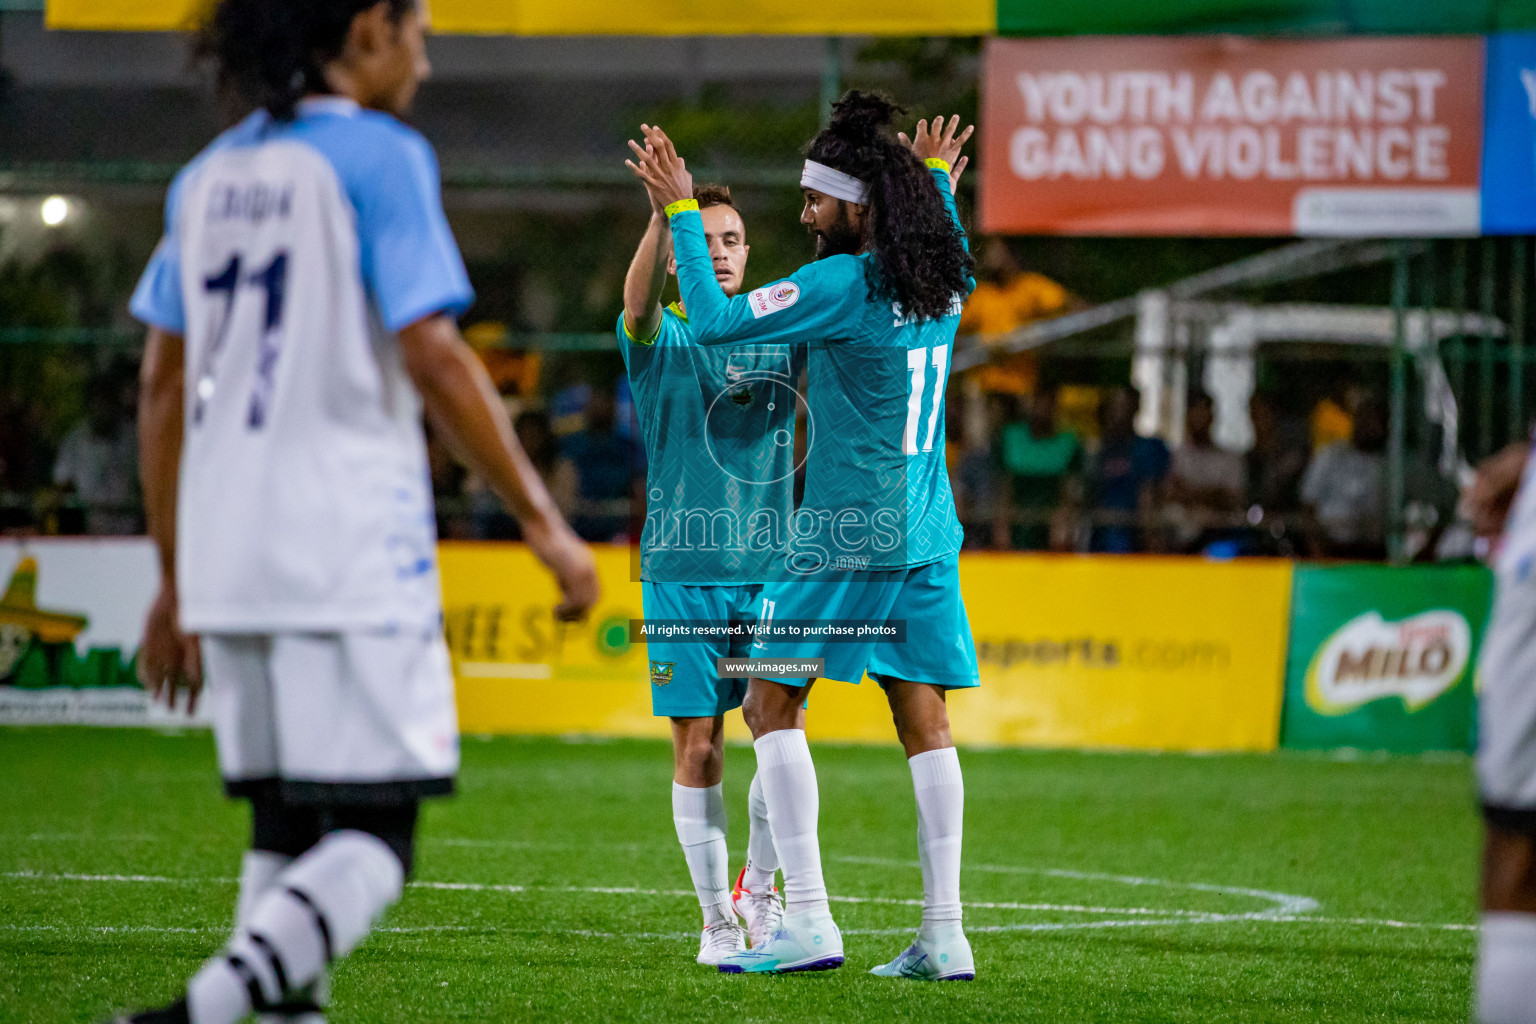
[{"x": 1383, "y": 658}]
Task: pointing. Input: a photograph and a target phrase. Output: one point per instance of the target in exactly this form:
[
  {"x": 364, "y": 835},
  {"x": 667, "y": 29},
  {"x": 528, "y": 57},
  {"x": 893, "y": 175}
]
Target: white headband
[{"x": 834, "y": 183}]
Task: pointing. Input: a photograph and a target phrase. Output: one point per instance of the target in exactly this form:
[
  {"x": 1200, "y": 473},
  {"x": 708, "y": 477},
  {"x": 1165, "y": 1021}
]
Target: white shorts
[
  {"x": 1506, "y": 744},
  {"x": 357, "y": 717}
]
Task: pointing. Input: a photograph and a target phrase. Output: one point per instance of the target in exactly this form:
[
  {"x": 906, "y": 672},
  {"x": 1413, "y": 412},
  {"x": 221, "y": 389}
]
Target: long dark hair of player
[
  {"x": 919, "y": 255},
  {"x": 271, "y": 53}
]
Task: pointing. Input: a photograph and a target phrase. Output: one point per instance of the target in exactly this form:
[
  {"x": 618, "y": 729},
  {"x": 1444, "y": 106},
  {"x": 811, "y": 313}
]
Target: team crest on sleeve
[
  {"x": 661, "y": 672},
  {"x": 772, "y": 298}
]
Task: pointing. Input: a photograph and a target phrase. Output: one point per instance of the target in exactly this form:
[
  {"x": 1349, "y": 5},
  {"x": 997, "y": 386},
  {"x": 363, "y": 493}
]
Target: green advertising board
[{"x": 1384, "y": 658}]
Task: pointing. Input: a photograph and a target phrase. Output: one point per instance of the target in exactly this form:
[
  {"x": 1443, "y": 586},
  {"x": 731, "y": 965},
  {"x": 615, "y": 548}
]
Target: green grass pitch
[{"x": 1100, "y": 887}]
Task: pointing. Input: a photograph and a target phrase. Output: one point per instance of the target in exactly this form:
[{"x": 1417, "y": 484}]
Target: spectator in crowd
[
  {"x": 1125, "y": 479},
  {"x": 1277, "y": 460},
  {"x": 1006, "y": 298},
  {"x": 1040, "y": 464},
  {"x": 1344, "y": 489},
  {"x": 1333, "y": 415},
  {"x": 1206, "y": 484},
  {"x": 449, "y": 483},
  {"x": 535, "y": 432},
  {"x": 23, "y": 463},
  {"x": 607, "y": 468},
  {"x": 98, "y": 461},
  {"x": 973, "y": 468}
]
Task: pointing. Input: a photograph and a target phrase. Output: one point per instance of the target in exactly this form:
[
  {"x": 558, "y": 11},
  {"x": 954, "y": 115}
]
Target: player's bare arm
[
  {"x": 168, "y": 659},
  {"x": 943, "y": 141},
  {"x": 1487, "y": 499},
  {"x": 463, "y": 404},
  {"x": 648, "y": 270}
]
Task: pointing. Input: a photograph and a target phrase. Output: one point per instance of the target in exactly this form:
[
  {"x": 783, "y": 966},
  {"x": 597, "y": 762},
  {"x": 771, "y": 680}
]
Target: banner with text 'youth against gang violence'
[{"x": 1229, "y": 135}]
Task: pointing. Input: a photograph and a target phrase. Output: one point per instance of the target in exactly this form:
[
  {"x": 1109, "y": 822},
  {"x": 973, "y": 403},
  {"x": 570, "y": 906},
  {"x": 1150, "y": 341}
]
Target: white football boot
[
  {"x": 719, "y": 941},
  {"x": 940, "y": 953},
  {"x": 807, "y": 941},
  {"x": 762, "y": 911}
]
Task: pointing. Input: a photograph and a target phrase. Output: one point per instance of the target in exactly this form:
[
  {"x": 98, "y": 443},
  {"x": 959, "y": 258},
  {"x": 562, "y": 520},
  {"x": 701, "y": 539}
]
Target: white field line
[
  {"x": 1288, "y": 908},
  {"x": 614, "y": 890},
  {"x": 453, "y": 841},
  {"x": 1285, "y": 903}
]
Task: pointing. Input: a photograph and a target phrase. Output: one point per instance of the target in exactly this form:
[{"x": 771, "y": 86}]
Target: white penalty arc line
[
  {"x": 612, "y": 890},
  {"x": 1287, "y": 904},
  {"x": 1289, "y": 909}
]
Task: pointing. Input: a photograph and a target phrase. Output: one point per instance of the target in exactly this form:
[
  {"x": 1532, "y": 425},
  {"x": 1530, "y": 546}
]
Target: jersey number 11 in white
[{"x": 918, "y": 360}]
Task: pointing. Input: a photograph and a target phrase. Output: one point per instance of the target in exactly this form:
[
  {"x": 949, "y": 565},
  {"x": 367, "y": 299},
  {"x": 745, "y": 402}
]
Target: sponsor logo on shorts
[
  {"x": 661, "y": 672},
  {"x": 773, "y": 298},
  {"x": 1369, "y": 658}
]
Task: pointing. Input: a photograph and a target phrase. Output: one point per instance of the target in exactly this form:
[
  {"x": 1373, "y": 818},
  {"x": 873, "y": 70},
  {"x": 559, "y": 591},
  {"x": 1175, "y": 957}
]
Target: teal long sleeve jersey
[
  {"x": 719, "y": 429},
  {"x": 877, "y": 492}
]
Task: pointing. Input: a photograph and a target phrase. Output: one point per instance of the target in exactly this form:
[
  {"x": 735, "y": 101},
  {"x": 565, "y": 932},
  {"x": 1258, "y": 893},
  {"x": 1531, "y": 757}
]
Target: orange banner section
[
  {"x": 1166, "y": 654},
  {"x": 1196, "y": 135}
]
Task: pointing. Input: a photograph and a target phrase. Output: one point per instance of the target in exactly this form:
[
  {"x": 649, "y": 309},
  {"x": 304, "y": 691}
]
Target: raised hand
[
  {"x": 663, "y": 172},
  {"x": 641, "y": 154},
  {"x": 940, "y": 140}
]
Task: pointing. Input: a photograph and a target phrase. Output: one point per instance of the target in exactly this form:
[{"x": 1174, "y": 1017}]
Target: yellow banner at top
[{"x": 605, "y": 17}]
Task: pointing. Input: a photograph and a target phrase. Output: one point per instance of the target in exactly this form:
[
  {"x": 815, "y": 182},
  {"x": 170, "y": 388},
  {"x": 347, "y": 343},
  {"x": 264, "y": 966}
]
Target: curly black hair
[
  {"x": 271, "y": 53},
  {"x": 920, "y": 260}
]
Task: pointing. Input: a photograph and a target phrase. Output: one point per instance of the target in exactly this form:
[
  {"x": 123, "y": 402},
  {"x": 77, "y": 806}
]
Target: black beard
[{"x": 840, "y": 239}]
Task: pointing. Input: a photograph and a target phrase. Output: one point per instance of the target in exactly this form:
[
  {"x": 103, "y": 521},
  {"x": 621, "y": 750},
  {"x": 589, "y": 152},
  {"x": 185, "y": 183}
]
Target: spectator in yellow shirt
[{"x": 1006, "y": 298}]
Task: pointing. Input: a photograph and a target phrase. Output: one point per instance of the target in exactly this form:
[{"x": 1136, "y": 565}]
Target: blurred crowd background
[
  {"x": 1043, "y": 451},
  {"x": 1049, "y": 444}
]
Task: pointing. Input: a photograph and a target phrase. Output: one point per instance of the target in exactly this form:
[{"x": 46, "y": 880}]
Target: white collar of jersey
[
  {"x": 832, "y": 182},
  {"x": 344, "y": 106}
]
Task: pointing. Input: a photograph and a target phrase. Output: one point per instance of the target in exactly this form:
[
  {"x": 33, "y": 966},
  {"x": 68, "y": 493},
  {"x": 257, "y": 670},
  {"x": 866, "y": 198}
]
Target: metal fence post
[
  {"x": 1517, "y": 272},
  {"x": 831, "y": 77},
  {"x": 1457, "y": 355},
  {"x": 1486, "y": 390},
  {"x": 1396, "y": 520}
]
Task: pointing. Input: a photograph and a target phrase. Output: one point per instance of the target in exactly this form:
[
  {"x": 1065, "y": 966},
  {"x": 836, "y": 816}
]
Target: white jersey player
[
  {"x": 1506, "y": 755},
  {"x": 300, "y": 306}
]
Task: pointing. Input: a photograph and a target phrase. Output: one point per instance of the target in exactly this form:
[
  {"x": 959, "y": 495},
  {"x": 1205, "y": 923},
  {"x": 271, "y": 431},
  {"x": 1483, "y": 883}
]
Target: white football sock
[
  {"x": 258, "y": 869},
  {"x": 762, "y": 861},
  {"x": 699, "y": 815},
  {"x": 314, "y": 912},
  {"x": 1506, "y": 969},
  {"x": 940, "y": 792},
  {"x": 789, "y": 791}
]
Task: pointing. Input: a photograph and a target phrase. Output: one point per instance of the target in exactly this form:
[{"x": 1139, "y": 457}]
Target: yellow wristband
[
  {"x": 681, "y": 205},
  {"x": 938, "y": 164}
]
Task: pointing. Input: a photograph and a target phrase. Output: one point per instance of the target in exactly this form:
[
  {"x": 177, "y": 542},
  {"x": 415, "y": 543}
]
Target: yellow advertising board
[
  {"x": 518, "y": 670},
  {"x": 1115, "y": 651},
  {"x": 115, "y": 15},
  {"x": 607, "y": 17},
  {"x": 1169, "y": 654}
]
